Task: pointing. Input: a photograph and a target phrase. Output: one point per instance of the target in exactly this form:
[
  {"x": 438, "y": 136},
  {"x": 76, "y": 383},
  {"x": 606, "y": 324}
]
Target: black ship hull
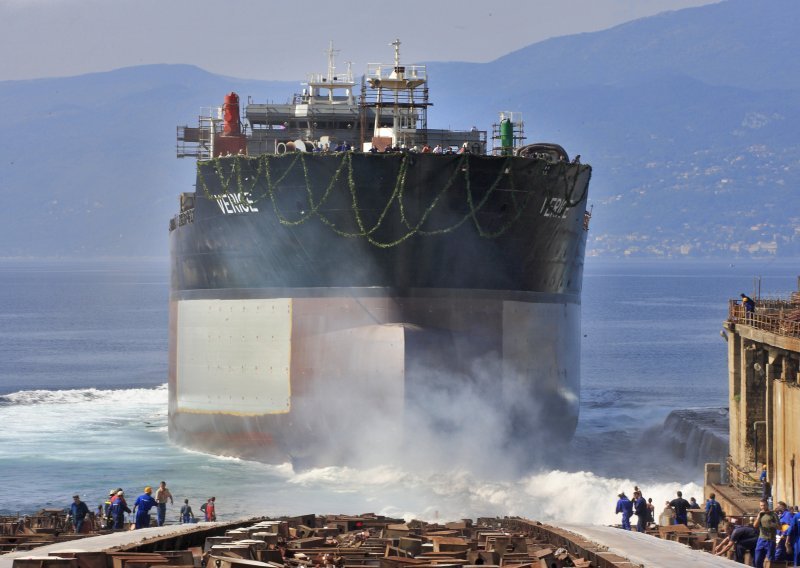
[{"x": 314, "y": 296}]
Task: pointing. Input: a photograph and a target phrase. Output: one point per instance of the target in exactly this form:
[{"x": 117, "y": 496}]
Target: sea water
[{"x": 83, "y": 400}]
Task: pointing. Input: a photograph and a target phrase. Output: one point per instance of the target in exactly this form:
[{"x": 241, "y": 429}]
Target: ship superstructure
[
  {"x": 391, "y": 111},
  {"x": 341, "y": 264}
]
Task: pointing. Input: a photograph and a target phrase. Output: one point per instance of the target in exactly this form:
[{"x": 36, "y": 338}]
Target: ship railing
[
  {"x": 385, "y": 70},
  {"x": 386, "y": 97},
  {"x": 181, "y": 219},
  {"x": 742, "y": 480},
  {"x": 475, "y": 139},
  {"x": 196, "y": 142},
  {"x": 403, "y": 100},
  {"x": 780, "y": 317}
]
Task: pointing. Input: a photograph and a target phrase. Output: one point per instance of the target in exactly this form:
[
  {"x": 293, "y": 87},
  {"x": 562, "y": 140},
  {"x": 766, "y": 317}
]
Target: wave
[
  {"x": 46, "y": 422},
  {"x": 577, "y": 496},
  {"x": 346, "y": 478},
  {"x": 81, "y": 396},
  {"x": 33, "y": 447}
]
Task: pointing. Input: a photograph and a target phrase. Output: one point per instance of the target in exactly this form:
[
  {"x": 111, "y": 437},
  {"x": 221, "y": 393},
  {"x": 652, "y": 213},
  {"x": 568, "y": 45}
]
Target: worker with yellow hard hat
[{"x": 142, "y": 506}]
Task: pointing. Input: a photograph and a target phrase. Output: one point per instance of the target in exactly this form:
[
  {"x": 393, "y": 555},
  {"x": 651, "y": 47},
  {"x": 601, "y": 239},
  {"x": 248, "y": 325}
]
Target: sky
[{"x": 285, "y": 39}]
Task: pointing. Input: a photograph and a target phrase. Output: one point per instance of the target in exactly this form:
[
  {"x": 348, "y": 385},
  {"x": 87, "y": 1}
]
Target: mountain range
[{"x": 689, "y": 119}]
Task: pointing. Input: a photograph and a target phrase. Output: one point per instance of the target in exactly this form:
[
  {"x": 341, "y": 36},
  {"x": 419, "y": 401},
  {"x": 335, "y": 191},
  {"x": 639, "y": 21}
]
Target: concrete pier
[
  {"x": 764, "y": 401},
  {"x": 171, "y": 537},
  {"x": 645, "y": 550}
]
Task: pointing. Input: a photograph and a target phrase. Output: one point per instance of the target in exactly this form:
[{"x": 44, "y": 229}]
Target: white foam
[
  {"x": 549, "y": 495},
  {"x": 37, "y": 419},
  {"x": 157, "y": 395},
  {"x": 123, "y": 442}
]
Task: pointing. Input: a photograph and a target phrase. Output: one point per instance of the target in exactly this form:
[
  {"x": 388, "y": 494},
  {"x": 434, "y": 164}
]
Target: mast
[
  {"x": 401, "y": 90},
  {"x": 331, "y": 80},
  {"x": 331, "y": 67}
]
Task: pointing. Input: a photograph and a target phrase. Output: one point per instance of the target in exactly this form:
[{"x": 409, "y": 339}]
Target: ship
[{"x": 343, "y": 275}]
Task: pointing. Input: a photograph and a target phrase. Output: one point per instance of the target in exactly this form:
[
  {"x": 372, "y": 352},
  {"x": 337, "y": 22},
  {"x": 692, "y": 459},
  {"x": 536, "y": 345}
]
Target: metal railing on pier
[
  {"x": 781, "y": 317},
  {"x": 744, "y": 481}
]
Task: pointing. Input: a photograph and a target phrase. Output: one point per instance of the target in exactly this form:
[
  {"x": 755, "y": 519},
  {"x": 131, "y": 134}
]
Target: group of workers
[
  {"x": 643, "y": 509},
  {"x": 773, "y": 535},
  {"x": 115, "y": 508},
  {"x": 465, "y": 148},
  {"x": 424, "y": 149},
  {"x": 675, "y": 511}
]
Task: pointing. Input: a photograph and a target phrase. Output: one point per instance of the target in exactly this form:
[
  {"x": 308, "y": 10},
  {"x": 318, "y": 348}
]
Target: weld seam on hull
[{"x": 378, "y": 292}]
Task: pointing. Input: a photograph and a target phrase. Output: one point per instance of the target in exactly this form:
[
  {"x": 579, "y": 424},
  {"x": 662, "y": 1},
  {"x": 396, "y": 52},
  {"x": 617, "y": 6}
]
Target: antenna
[
  {"x": 396, "y": 44},
  {"x": 331, "y": 60}
]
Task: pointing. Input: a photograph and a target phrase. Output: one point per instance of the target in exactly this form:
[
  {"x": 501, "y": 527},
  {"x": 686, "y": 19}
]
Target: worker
[
  {"x": 209, "y": 508},
  {"x": 142, "y": 506},
  {"x": 187, "y": 515},
  {"x": 642, "y": 514},
  {"x": 748, "y": 303},
  {"x": 107, "y": 508},
  {"x": 162, "y": 494},
  {"x": 793, "y": 539},
  {"x": 78, "y": 511},
  {"x": 713, "y": 513},
  {"x": 680, "y": 506},
  {"x": 625, "y": 507},
  {"x": 117, "y": 510},
  {"x": 767, "y": 524},
  {"x": 785, "y": 516}
]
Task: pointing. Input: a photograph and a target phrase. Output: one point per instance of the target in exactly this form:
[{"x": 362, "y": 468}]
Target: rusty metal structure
[
  {"x": 339, "y": 541},
  {"x": 780, "y": 317}
]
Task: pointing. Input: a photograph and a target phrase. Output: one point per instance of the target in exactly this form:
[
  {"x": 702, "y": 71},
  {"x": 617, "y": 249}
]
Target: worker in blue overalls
[
  {"x": 117, "y": 510},
  {"x": 142, "y": 506},
  {"x": 625, "y": 507},
  {"x": 793, "y": 539},
  {"x": 713, "y": 513},
  {"x": 785, "y": 516},
  {"x": 641, "y": 511}
]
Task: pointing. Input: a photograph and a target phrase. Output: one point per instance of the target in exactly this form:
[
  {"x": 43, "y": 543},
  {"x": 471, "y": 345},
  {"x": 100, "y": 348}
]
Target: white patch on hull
[{"x": 234, "y": 356}]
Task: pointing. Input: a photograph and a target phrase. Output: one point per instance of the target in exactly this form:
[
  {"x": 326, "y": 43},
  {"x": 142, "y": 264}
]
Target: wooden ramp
[{"x": 127, "y": 540}]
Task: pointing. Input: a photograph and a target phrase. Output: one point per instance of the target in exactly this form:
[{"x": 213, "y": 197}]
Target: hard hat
[{"x": 148, "y": 489}]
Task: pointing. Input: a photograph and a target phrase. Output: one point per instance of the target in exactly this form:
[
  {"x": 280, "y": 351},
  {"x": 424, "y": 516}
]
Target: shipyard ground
[{"x": 601, "y": 546}]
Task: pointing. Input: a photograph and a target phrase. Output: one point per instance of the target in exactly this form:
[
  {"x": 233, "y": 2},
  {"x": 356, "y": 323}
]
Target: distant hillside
[
  {"x": 88, "y": 164},
  {"x": 690, "y": 119}
]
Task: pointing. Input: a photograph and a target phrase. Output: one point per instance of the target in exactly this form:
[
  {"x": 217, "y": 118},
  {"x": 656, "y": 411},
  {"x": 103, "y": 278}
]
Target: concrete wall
[
  {"x": 785, "y": 442},
  {"x": 764, "y": 398}
]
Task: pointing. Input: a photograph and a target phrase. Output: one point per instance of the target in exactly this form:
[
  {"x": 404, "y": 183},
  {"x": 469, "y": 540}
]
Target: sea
[{"x": 83, "y": 400}]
